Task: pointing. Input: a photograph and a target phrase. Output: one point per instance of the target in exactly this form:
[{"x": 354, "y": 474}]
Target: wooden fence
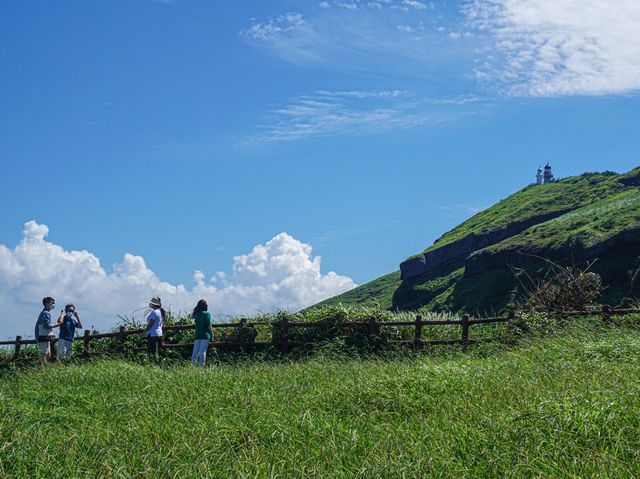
[{"x": 281, "y": 331}]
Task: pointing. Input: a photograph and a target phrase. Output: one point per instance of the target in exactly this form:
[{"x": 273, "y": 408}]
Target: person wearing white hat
[{"x": 153, "y": 331}]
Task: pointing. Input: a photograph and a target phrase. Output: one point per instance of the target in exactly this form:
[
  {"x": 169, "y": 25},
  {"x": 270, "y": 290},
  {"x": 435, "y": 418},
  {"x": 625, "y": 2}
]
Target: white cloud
[
  {"x": 415, "y": 4},
  {"x": 348, "y": 6},
  {"x": 550, "y": 47},
  {"x": 361, "y": 36},
  {"x": 464, "y": 209},
  {"x": 524, "y": 47},
  {"x": 282, "y": 273},
  {"x": 355, "y": 112},
  {"x": 289, "y": 35}
]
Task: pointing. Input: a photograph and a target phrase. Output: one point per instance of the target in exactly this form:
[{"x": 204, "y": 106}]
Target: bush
[{"x": 565, "y": 288}]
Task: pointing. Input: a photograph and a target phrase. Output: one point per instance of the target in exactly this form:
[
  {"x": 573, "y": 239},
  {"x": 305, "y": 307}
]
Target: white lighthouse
[
  {"x": 539, "y": 177},
  {"x": 548, "y": 175}
]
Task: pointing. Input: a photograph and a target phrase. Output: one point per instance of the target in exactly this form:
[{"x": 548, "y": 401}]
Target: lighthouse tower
[
  {"x": 548, "y": 175},
  {"x": 539, "y": 177}
]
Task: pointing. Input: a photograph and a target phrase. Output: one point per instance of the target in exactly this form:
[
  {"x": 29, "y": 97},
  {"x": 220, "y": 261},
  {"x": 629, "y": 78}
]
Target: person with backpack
[
  {"x": 44, "y": 327},
  {"x": 204, "y": 333},
  {"x": 153, "y": 330},
  {"x": 70, "y": 321}
]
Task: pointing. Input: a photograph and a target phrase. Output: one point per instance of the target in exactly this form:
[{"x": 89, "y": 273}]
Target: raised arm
[{"x": 75, "y": 313}]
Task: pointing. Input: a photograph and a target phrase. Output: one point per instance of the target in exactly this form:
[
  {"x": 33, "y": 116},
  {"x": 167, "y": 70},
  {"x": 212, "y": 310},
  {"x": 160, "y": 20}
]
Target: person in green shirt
[{"x": 204, "y": 333}]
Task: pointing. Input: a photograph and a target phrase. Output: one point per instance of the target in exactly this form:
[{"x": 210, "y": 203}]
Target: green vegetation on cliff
[
  {"x": 536, "y": 200},
  {"x": 578, "y": 214},
  {"x": 583, "y": 227},
  {"x": 378, "y": 293}
]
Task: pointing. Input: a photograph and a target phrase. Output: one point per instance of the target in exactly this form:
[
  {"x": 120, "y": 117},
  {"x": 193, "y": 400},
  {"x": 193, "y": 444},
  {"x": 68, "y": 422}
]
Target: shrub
[{"x": 564, "y": 288}]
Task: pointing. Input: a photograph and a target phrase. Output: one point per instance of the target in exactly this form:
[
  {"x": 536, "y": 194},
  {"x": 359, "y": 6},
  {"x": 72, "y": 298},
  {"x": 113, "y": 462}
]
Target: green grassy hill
[
  {"x": 594, "y": 216},
  {"x": 561, "y": 406},
  {"x": 536, "y": 200}
]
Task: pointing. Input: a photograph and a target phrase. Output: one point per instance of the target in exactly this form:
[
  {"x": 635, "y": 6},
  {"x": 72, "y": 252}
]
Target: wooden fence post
[
  {"x": 606, "y": 313},
  {"x": 18, "y": 346},
  {"x": 464, "y": 324},
  {"x": 372, "y": 330},
  {"x": 511, "y": 315},
  {"x": 275, "y": 335},
  {"x": 122, "y": 337},
  {"x": 86, "y": 352},
  {"x": 418, "y": 335},
  {"x": 284, "y": 335}
]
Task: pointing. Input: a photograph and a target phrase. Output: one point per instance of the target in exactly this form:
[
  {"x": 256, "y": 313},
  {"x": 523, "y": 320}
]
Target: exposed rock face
[
  {"x": 486, "y": 260},
  {"x": 462, "y": 248},
  {"x": 413, "y": 267},
  {"x": 631, "y": 180}
]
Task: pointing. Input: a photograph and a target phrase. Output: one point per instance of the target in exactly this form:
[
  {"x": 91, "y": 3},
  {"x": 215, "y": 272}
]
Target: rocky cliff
[
  {"x": 426, "y": 262},
  {"x": 486, "y": 260}
]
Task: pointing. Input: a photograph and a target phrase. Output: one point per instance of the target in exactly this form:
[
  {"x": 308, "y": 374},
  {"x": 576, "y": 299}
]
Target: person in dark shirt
[
  {"x": 44, "y": 327},
  {"x": 70, "y": 321}
]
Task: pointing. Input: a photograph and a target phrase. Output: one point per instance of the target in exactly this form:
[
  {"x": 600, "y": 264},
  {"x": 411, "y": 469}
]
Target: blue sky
[{"x": 190, "y": 133}]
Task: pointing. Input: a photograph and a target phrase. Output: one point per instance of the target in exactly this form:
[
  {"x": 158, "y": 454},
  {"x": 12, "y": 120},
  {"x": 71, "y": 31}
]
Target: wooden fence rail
[{"x": 281, "y": 331}]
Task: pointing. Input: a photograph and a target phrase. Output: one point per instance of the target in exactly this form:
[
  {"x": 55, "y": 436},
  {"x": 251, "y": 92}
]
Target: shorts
[
  {"x": 44, "y": 348},
  {"x": 65, "y": 348}
]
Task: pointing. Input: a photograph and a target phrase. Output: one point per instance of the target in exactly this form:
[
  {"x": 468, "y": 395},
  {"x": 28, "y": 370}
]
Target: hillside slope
[{"x": 594, "y": 216}]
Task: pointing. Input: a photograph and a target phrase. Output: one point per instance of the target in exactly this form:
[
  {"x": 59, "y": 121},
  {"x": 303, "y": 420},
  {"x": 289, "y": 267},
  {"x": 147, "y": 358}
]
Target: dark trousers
[{"x": 153, "y": 346}]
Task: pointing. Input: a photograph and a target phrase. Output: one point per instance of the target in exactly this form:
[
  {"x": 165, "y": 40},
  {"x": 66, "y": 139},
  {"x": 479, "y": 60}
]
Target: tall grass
[{"x": 563, "y": 405}]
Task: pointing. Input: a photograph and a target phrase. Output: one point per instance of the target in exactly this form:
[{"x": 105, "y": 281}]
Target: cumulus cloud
[
  {"x": 282, "y": 273},
  {"x": 548, "y": 48}
]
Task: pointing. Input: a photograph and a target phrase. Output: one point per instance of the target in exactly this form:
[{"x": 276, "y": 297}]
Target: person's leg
[
  {"x": 196, "y": 352},
  {"x": 61, "y": 349},
  {"x": 43, "y": 349},
  {"x": 156, "y": 348},
  {"x": 199, "y": 345},
  {"x": 203, "y": 352},
  {"x": 151, "y": 345},
  {"x": 65, "y": 347}
]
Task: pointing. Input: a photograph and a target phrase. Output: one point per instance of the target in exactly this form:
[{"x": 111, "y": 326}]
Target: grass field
[{"x": 566, "y": 405}]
